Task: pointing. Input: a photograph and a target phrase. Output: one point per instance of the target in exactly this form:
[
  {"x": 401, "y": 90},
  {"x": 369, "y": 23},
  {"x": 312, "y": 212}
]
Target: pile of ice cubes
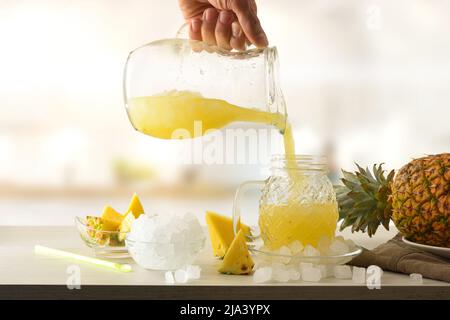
[
  {"x": 335, "y": 247},
  {"x": 308, "y": 272},
  {"x": 165, "y": 241},
  {"x": 287, "y": 268}
]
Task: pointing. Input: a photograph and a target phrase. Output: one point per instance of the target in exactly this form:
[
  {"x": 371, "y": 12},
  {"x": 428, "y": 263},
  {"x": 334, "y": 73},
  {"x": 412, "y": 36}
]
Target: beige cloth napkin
[{"x": 397, "y": 256}]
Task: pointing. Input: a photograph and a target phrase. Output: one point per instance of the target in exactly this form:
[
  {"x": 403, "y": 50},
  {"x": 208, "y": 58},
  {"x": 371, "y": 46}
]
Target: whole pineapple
[{"x": 416, "y": 198}]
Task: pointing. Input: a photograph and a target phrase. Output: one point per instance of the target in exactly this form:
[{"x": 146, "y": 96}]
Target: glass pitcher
[
  {"x": 169, "y": 84},
  {"x": 297, "y": 202}
]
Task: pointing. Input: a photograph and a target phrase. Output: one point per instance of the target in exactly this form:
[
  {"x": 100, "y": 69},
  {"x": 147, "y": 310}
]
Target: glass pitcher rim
[{"x": 212, "y": 48}]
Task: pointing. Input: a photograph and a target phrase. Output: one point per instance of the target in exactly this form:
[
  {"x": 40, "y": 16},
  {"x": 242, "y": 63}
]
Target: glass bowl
[
  {"x": 261, "y": 253},
  {"x": 271, "y": 256},
  {"x": 163, "y": 256},
  {"x": 108, "y": 244}
]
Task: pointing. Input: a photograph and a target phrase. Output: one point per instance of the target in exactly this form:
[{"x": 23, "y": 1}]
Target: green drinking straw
[{"x": 64, "y": 254}]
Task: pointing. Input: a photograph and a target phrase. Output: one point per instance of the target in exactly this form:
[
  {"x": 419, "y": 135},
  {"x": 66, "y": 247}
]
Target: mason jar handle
[{"x": 238, "y": 197}]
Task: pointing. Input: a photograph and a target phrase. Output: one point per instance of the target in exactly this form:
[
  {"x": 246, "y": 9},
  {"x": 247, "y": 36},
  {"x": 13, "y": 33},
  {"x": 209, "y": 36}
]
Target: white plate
[{"x": 439, "y": 251}]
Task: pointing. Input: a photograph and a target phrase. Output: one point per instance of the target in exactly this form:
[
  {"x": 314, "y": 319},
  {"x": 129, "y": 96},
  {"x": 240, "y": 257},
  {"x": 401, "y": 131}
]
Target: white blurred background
[{"x": 364, "y": 80}]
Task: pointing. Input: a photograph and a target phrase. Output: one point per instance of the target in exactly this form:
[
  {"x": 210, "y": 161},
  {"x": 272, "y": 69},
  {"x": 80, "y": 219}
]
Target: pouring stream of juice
[{"x": 164, "y": 115}]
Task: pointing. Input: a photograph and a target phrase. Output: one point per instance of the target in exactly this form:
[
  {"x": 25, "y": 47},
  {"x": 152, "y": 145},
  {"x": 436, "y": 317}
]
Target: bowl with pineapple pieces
[{"x": 106, "y": 234}]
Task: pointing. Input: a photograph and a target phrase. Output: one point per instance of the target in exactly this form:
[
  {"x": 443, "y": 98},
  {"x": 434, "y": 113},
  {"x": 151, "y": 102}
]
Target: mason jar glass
[{"x": 297, "y": 202}]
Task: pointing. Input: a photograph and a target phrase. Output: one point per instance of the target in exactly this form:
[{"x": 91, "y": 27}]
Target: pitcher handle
[{"x": 240, "y": 192}]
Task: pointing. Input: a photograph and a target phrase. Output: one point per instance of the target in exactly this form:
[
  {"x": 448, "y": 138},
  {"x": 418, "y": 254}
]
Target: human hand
[{"x": 229, "y": 24}]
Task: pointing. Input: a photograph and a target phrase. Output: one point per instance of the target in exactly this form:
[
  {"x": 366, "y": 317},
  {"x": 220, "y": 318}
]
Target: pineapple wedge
[
  {"x": 135, "y": 206},
  {"x": 125, "y": 226},
  {"x": 237, "y": 260},
  {"x": 221, "y": 232},
  {"x": 94, "y": 230},
  {"x": 111, "y": 219}
]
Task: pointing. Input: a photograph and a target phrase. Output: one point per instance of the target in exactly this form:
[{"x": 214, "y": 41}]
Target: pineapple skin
[{"x": 421, "y": 200}]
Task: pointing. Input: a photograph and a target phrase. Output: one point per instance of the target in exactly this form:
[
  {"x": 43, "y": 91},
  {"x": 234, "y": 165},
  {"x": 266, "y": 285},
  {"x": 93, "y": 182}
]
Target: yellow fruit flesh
[
  {"x": 135, "y": 206},
  {"x": 111, "y": 219},
  {"x": 125, "y": 226},
  {"x": 237, "y": 260},
  {"x": 95, "y": 230},
  {"x": 221, "y": 232}
]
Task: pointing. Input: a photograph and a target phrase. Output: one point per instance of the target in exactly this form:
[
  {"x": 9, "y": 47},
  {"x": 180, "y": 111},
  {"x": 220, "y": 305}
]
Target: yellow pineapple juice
[
  {"x": 282, "y": 224},
  {"x": 161, "y": 115}
]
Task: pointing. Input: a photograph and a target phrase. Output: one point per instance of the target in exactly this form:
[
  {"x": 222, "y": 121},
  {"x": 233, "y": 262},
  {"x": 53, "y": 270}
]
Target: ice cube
[
  {"x": 279, "y": 272},
  {"x": 373, "y": 276},
  {"x": 294, "y": 273},
  {"x": 178, "y": 237},
  {"x": 189, "y": 217},
  {"x": 296, "y": 247},
  {"x": 165, "y": 250},
  {"x": 342, "y": 272},
  {"x": 310, "y": 251},
  {"x": 359, "y": 275},
  {"x": 304, "y": 265},
  {"x": 181, "y": 276},
  {"x": 338, "y": 247},
  {"x": 280, "y": 275},
  {"x": 259, "y": 264},
  {"x": 193, "y": 272},
  {"x": 323, "y": 245},
  {"x": 285, "y": 254},
  {"x": 262, "y": 275},
  {"x": 278, "y": 266},
  {"x": 326, "y": 270},
  {"x": 169, "y": 277},
  {"x": 311, "y": 274},
  {"x": 416, "y": 278},
  {"x": 375, "y": 269}
]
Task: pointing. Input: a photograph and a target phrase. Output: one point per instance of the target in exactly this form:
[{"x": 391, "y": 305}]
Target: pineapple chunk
[
  {"x": 94, "y": 223},
  {"x": 237, "y": 260},
  {"x": 135, "y": 206},
  {"x": 221, "y": 232},
  {"x": 111, "y": 219},
  {"x": 95, "y": 230},
  {"x": 125, "y": 226}
]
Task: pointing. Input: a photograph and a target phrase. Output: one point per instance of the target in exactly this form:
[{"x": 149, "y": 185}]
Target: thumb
[{"x": 245, "y": 11}]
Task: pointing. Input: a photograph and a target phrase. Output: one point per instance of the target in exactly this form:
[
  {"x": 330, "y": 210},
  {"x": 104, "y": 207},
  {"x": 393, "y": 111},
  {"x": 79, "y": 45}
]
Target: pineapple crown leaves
[{"x": 365, "y": 199}]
